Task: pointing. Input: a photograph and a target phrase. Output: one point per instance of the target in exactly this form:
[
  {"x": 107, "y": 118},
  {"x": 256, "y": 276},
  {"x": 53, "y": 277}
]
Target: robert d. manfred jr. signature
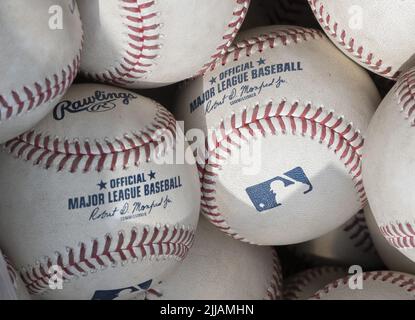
[
  {"x": 244, "y": 92},
  {"x": 127, "y": 211}
]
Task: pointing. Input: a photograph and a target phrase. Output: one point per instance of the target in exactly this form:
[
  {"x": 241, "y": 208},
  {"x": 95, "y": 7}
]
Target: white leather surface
[
  {"x": 388, "y": 166},
  {"x": 219, "y": 267},
  {"x": 391, "y": 256},
  {"x": 383, "y": 28},
  {"x": 188, "y": 33},
  {"x": 32, "y": 52}
]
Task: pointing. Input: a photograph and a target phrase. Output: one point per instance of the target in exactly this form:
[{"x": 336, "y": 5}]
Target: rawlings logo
[{"x": 100, "y": 102}]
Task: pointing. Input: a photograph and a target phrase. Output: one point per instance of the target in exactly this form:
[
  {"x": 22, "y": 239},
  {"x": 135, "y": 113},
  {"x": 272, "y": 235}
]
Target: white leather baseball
[
  {"x": 350, "y": 244},
  {"x": 95, "y": 198},
  {"x": 221, "y": 268},
  {"x": 377, "y": 34},
  {"x": 37, "y": 62},
  {"x": 388, "y": 166},
  {"x": 303, "y": 285},
  {"x": 376, "y": 285},
  {"x": 290, "y": 96},
  {"x": 390, "y": 255},
  {"x": 147, "y": 43},
  {"x": 11, "y": 285}
]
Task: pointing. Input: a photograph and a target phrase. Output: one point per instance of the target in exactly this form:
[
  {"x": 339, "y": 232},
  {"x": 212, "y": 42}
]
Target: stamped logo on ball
[
  {"x": 101, "y": 101},
  {"x": 234, "y": 85},
  {"x": 122, "y": 293},
  {"x": 266, "y": 195},
  {"x": 124, "y": 198}
]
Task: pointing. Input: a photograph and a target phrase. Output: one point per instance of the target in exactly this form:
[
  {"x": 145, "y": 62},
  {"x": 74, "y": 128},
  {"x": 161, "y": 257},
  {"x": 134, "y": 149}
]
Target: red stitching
[
  {"x": 32, "y": 96},
  {"x": 294, "y": 286},
  {"x": 399, "y": 235},
  {"x": 405, "y": 90},
  {"x": 129, "y": 246},
  {"x": 132, "y": 149},
  {"x": 143, "y": 37},
  {"x": 281, "y": 37},
  {"x": 10, "y": 270},
  {"x": 142, "y": 44},
  {"x": 234, "y": 26},
  {"x": 350, "y": 44},
  {"x": 406, "y": 282},
  {"x": 359, "y": 233},
  {"x": 274, "y": 289}
]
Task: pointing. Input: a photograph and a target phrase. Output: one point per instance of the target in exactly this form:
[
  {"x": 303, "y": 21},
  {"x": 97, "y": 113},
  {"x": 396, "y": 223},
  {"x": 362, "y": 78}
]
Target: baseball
[
  {"x": 377, "y": 34},
  {"x": 376, "y": 285},
  {"x": 38, "y": 61},
  {"x": 220, "y": 268},
  {"x": 303, "y": 285},
  {"x": 11, "y": 285},
  {"x": 390, "y": 255},
  {"x": 284, "y": 113},
  {"x": 99, "y": 201},
  {"x": 142, "y": 44},
  {"x": 388, "y": 166},
  {"x": 350, "y": 244}
]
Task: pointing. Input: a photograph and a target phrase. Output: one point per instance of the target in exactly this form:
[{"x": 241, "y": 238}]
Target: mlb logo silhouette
[
  {"x": 265, "y": 195},
  {"x": 123, "y": 293}
]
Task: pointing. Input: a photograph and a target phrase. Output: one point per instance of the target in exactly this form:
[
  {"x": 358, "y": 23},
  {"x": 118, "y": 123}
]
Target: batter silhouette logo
[
  {"x": 123, "y": 293},
  {"x": 267, "y": 195}
]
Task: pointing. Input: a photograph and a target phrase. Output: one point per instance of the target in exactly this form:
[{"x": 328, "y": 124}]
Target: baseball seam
[
  {"x": 400, "y": 234},
  {"x": 151, "y": 242},
  {"x": 29, "y": 97},
  {"x": 274, "y": 288},
  {"x": 131, "y": 149},
  {"x": 143, "y": 44},
  {"x": 400, "y": 280},
  {"x": 340, "y": 36},
  {"x": 276, "y": 118},
  {"x": 233, "y": 27},
  {"x": 294, "y": 286},
  {"x": 405, "y": 91},
  {"x": 10, "y": 270},
  {"x": 358, "y": 233}
]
